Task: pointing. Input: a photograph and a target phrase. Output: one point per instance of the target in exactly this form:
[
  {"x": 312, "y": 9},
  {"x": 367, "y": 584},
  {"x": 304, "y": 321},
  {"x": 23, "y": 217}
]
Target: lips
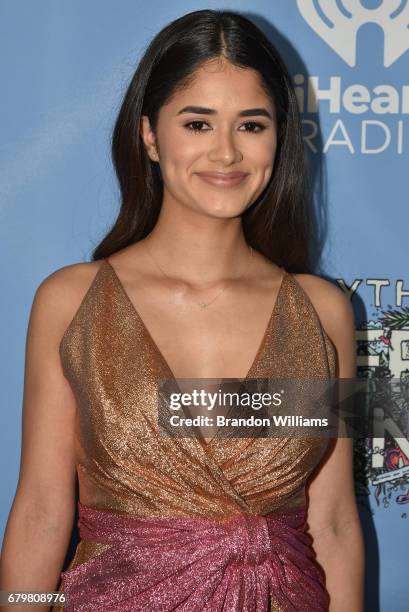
[
  {"x": 223, "y": 179},
  {"x": 223, "y": 175}
]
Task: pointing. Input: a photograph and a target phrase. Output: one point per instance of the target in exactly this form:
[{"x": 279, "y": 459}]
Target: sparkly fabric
[
  {"x": 196, "y": 564},
  {"x": 127, "y": 469}
]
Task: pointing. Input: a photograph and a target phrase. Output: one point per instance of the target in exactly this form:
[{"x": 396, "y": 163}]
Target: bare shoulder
[
  {"x": 72, "y": 277},
  {"x": 332, "y": 305},
  {"x": 59, "y": 294}
]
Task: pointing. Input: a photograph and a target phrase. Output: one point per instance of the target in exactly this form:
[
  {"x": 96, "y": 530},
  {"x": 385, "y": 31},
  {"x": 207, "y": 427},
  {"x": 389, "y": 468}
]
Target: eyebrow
[{"x": 248, "y": 112}]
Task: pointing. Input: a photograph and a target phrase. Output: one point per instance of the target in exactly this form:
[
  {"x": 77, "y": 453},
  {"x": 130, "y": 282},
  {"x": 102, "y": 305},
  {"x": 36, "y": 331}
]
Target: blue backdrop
[{"x": 64, "y": 69}]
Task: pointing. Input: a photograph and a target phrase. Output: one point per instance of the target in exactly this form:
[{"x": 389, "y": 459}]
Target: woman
[{"x": 205, "y": 274}]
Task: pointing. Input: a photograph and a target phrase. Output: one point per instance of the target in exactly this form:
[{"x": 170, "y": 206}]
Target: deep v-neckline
[{"x": 160, "y": 354}]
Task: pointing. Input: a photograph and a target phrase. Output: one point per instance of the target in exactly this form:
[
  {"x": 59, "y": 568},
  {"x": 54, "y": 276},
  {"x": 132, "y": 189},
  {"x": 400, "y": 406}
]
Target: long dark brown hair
[{"x": 277, "y": 223}]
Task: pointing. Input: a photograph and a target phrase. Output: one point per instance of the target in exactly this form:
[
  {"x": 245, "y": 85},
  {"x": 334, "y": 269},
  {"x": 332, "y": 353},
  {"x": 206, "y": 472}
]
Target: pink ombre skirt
[{"x": 247, "y": 563}]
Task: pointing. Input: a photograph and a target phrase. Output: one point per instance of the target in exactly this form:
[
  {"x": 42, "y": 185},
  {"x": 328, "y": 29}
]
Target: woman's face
[{"x": 215, "y": 137}]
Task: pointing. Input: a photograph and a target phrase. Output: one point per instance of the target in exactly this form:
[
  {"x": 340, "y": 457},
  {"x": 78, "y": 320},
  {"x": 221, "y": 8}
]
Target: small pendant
[{"x": 203, "y": 304}]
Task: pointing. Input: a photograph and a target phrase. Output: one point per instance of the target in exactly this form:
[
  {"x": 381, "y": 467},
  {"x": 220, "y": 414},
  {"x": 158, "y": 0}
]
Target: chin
[{"x": 224, "y": 210}]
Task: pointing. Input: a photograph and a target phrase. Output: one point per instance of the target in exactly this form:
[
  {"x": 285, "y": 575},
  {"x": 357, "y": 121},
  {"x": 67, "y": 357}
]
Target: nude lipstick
[{"x": 223, "y": 179}]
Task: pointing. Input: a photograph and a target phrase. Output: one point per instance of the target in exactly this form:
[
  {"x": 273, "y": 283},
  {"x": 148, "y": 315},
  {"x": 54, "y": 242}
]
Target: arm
[
  {"x": 40, "y": 521},
  {"x": 332, "y": 512}
]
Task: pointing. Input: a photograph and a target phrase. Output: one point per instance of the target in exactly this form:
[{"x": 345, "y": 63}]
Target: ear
[{"x": 148, "y": 138}]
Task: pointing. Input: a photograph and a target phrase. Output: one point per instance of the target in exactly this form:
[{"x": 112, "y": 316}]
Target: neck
[{"x": 196, "y": 248}]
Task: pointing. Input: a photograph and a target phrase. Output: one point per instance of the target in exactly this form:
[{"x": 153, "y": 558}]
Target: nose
[{"x": 224, "y": 148}]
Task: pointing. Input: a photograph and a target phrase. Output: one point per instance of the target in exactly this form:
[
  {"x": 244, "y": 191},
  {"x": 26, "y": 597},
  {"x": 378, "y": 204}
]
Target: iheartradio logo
[{"x": 337, "y": 22}]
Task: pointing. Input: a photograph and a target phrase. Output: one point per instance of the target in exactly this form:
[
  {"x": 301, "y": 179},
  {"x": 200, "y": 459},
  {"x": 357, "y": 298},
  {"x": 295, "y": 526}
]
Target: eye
[
  {"x": 259, "y": 126},
  {"x": 195, "y": 123}
]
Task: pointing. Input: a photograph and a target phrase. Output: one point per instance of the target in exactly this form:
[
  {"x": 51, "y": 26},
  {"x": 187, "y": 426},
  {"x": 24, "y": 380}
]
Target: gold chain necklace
[{"x": 202, "y": 304}]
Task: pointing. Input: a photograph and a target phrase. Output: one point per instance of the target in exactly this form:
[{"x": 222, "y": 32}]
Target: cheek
[
  {"x": 178, "y": 160},
  {"x": 172, "y": 143},
  {"x": 179, "y": 155},
  {"x": 268, "y": 152},
  {"x": 261, "y": 148},
  {"x": 264, "y": 160}
]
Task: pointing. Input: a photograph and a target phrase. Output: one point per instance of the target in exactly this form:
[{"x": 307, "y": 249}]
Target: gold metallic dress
[{"x": 177, "y": 523}]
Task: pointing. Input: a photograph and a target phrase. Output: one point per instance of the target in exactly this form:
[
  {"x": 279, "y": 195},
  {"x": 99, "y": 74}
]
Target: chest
[
  {"x": 203, "y": 350},
  {"x": 200, "y": 342}
]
